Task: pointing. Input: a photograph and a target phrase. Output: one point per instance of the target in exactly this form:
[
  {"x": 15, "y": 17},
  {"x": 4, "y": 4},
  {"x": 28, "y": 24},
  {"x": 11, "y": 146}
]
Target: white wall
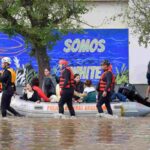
[
  {"x": 138, "y": 61},
  {"x": 138, "y": 55},
  {"x": 101, "y": 12}
]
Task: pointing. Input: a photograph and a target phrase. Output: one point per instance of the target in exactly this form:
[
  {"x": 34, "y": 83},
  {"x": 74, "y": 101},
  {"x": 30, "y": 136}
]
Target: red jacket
[{"x": 41, "y": 93}]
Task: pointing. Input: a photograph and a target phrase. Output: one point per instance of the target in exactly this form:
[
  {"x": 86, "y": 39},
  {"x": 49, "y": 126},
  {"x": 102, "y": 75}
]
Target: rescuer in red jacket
[
  {"x": 67, "y": 87},
  {"x": 106, "y": 83}
]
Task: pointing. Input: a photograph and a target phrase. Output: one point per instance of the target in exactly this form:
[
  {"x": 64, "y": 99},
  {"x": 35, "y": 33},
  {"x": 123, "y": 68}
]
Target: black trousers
[
  {"x": 66, "y": 97},
  {"x": 5, "y": 103},
  {"x": 104, "y": 100}
]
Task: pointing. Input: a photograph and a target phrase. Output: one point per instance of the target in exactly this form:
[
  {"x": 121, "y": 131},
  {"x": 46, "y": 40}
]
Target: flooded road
[{"x": 88, "y": 133}]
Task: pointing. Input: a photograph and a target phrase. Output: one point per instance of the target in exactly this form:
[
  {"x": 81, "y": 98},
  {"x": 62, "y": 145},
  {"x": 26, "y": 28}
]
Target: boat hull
[{"x": 43, "y": 109}]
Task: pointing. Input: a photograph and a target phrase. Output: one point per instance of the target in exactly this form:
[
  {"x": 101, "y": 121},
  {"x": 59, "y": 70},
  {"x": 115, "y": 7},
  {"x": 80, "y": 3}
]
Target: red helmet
[{"x": 63, "y": 62}]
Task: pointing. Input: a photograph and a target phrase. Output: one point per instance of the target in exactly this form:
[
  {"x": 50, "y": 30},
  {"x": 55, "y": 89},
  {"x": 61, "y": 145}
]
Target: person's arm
[
  {"x": 36, "y": 97},
  {"x": 14, "y": 88},
  {"x": 97, "y": 87},
  {"x": 57, "y": 79},
  {"x": 41, "y": 94},
  {"x": 66, "y": 76},
  {"x": 4, "y": 76},
  {"x": 83, "y": 94},
  {"x": 108, "y": 80},
  {"x": 81, "y": 87},
  {"x": 25, "y": 96}
]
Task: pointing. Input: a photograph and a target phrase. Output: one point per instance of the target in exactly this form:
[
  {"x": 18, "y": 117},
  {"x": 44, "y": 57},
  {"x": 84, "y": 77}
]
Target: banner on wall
[
  {"x": 84, "y": 51},
  {"x": 87, "y": 50}
]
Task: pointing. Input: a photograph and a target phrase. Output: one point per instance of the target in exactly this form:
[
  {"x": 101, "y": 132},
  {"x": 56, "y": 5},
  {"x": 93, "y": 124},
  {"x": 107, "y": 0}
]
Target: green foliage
[
  {"x": 122, "y": 75},
  {"x": 30, "y": 74},
  {"x": 138, "y": 15},
  {"x": 37, "y": 19}
]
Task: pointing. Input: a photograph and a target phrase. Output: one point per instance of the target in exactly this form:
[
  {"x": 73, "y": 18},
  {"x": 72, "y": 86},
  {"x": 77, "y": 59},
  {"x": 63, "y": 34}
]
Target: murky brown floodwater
[{"x": 78, "y": 134}]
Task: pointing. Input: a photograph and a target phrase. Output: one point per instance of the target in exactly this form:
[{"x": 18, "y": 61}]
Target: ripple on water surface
[{"x": 88, "y": 133}]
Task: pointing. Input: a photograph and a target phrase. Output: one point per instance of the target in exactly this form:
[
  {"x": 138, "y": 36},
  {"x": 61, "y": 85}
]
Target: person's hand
[
  {"x": 16, "y": 93},
  {"x": 38, "y": 101},
  {"x": 25, "y": 88},
  {"x": 49, "y": 99},
  {"x": 1, "y": 71},
  {"x": 83, "y": 94},
  {"x": 104, "y": 94}
]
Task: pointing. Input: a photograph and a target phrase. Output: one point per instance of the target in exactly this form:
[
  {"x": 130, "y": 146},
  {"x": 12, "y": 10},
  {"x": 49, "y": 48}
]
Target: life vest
[
  {"x": 102, "y": 83},
  {"x": 13, "y": 75},
  {"x": 62, "y": 79}
]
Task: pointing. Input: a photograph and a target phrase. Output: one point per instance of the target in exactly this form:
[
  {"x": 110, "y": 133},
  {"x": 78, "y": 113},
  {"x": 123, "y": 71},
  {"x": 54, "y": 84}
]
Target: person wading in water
[
  {"x": 67, "y": 87},
  {"x": 7, "y": 78},
  {"x": 106, "y": 83}
]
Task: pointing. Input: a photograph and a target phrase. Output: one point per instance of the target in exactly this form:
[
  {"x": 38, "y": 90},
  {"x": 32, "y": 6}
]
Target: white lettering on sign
[
  {"x": 84, "y": 45},
  {"x": 88, "y": 72}
]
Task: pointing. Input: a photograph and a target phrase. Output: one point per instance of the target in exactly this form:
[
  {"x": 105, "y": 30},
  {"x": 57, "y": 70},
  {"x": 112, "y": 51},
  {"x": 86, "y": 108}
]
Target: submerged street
[{"x": 78, "y": 134}]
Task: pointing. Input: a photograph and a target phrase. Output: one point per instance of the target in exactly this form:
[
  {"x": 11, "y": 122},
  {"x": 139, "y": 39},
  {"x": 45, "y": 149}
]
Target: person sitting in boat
[
  {"x": 49, "y": 83},
  {"x": 89, "y": 93},
  {"x": 30, "y": 94},
  {"x": 79, "y": 87},
  {"x": 35, "y": 85},
  {"x": 130, "y": 91},
  {"x": 117, "y": 95},
  {"x": 105, "y": 85},
  {"x": 7, "y": 78}
]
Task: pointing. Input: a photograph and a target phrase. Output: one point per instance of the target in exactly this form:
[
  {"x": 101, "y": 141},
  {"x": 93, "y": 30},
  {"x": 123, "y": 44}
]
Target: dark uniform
[
  {"x": 79, "y": 87},
  {"x": 8, "y": 89},
  {"x": 49, "y": 85},
  {"x": 67, "y": 86},
  {"x": 105, "y": 84}
]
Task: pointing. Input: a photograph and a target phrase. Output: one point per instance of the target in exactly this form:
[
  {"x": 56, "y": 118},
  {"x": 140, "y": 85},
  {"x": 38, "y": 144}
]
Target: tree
[
  {"x": 138, "y": 15},
  {"x": 41, "y": 22}
]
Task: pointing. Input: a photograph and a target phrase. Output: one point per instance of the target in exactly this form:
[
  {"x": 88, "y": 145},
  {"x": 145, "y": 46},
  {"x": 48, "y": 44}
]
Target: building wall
[
  {"x": 139, "y": 56},
  {"x": 100, "y": 16},
  {"x": 101, "y": 12}
]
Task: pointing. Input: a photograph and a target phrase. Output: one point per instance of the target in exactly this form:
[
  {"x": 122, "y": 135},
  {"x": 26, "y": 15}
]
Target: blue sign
[
  {"x": 84, "y": 51},
  {"x": 15, "y": 48}
]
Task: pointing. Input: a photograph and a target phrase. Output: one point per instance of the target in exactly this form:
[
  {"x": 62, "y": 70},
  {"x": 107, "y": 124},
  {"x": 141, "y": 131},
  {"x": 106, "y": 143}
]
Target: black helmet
[{"x": 105, "y": 62}]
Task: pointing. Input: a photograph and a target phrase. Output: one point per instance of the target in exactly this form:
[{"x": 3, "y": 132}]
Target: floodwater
[{"x": 88, "y": 133}]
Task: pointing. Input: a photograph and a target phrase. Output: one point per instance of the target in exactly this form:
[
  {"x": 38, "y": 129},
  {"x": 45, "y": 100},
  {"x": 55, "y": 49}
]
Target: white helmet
[{"x": 6, "y": 59}]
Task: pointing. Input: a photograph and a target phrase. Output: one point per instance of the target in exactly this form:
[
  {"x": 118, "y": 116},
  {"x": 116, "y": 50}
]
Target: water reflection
[
  {"x": 67, "y": 134},
  {"x": 81, "y": 133},
  {"x": 104, "y": 131},
  {"x": 6, "y": 136}
]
